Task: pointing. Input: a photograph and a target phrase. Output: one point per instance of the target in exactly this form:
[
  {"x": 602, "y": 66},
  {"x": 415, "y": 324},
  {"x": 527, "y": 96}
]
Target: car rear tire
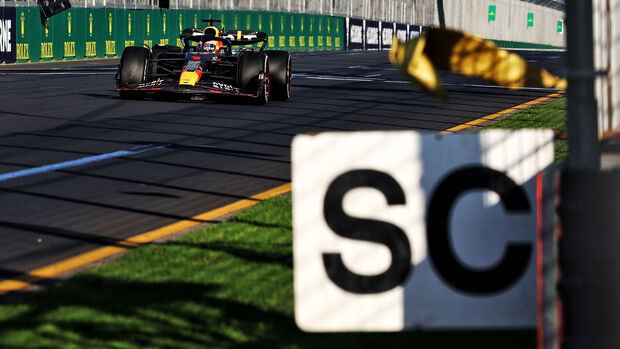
[
  {"x": 281, "y": 71},
  {"x": 253, "y": 75},
  {"x": 133, "y": 70}
]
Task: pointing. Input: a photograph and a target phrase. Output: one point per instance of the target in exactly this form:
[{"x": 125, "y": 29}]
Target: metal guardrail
[{"x": 401, "y": 11}]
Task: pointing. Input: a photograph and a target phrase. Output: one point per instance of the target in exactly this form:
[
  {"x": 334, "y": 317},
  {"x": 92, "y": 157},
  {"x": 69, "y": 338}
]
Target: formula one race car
[{"x": 207, "y": 64}]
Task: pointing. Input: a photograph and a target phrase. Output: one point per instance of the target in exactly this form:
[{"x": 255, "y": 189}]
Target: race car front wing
[{"x": 203, "y": 87}]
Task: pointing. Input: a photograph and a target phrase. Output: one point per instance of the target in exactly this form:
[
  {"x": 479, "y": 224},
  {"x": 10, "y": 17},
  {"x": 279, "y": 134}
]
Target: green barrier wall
[{"x": 87, "y": 33}]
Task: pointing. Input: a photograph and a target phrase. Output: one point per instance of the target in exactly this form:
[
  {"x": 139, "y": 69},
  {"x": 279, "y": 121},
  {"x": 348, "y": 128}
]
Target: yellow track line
[
  {"x": 72, "y": 263},
  {"x": 498, "y": 114}
]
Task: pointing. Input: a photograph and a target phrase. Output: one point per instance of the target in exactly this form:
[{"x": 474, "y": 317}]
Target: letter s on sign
[
  {"x": 516, "y": 258},
  {"x": 368, "y": 230}
]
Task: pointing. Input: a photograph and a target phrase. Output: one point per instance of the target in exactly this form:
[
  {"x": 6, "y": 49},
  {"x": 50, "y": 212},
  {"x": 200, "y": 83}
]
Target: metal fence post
[
  {"x": 583, "y": 146},
  {"x": 588, "y": 259}
]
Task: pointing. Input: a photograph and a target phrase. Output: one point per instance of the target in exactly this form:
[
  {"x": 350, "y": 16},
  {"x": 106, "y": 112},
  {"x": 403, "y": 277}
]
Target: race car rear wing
[{"x": 229, "y": 38}]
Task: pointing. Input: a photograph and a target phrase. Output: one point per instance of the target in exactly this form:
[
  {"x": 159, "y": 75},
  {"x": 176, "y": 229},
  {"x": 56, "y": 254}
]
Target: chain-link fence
[{"x": 606, "y": 17}]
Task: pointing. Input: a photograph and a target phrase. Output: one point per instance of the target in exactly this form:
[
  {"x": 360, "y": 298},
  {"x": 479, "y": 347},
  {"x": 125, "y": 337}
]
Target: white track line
[{"x": 371, "y": 79}]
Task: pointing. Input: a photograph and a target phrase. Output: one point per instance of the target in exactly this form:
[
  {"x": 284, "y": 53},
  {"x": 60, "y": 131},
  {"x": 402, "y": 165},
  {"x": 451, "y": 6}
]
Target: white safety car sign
[{"x": 400, "y": 230}]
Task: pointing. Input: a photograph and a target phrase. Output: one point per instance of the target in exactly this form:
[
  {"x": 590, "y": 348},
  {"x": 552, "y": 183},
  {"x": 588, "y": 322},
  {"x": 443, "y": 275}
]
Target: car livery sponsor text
[
  {"x": 222, "y": 86},
  {"x": 8, "y": 48},
  {"x": 151, "y": 84}
]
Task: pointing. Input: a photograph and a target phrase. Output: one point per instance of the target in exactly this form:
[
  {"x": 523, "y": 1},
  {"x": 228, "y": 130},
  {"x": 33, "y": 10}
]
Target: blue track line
[{"x": 78, "y": 162}]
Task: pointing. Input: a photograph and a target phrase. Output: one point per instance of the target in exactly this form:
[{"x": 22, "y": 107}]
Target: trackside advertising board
[
  {"x": 362, "y": 34},
  {"x": 405, "y": 230},
  {"x": 387, "y": 30},
  {"x": 355, "y": 34},
  {"x": 86, "y": 33},
  {"x": 7, "y": 34},
  {"x": 372, "y": 34},
  {"x": 415, "y": 31},
  {"x": 400, "y": 30}
]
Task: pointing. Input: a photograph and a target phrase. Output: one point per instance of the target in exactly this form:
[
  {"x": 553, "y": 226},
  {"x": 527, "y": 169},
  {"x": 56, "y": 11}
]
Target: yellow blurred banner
[{"x": 467, "y": 54}]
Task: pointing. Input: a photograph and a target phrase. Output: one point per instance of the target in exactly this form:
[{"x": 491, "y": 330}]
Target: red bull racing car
[{"x": 211, "y": 62}]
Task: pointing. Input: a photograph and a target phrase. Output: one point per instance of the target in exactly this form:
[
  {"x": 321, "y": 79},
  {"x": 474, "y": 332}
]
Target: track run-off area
[{"x": 82, "y": 169}]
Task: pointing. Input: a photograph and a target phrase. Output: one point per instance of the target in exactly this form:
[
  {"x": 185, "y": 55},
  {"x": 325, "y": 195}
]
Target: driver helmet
[{"x": 210, "y": 47}]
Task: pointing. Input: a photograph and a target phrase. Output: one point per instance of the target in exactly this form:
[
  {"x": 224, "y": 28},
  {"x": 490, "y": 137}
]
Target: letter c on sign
[
  {"x": 515, "y": 260},
  {"x": 367, "y": 230}
]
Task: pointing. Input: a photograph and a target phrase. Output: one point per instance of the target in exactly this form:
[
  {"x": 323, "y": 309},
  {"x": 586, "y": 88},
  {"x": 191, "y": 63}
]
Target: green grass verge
[
  {"x": 228, "y": 285},
  {"x": 546, "y": 115}
]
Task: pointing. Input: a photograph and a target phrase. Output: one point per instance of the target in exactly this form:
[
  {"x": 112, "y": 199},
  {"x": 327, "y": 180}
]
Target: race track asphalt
[{"x": 163, "y": 161}]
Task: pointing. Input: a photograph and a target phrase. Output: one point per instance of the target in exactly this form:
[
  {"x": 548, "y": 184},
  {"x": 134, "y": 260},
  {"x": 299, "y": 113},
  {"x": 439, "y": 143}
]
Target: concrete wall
[{"x": 511, "y": 20}]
